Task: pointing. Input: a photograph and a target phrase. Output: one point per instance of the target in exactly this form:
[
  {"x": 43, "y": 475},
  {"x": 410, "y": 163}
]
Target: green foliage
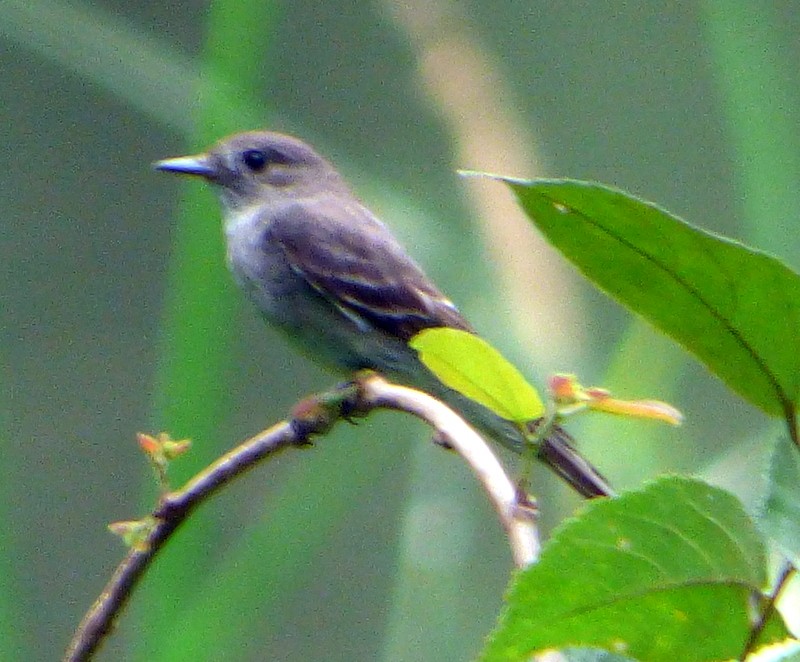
[
  {"x": 665, "y": 573},
  {"x": 474, "y": 368},
  {"x": 735, "y": 308}
]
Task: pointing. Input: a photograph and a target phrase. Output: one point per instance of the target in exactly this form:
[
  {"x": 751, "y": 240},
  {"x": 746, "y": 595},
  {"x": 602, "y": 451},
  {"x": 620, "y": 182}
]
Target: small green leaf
[
  {"x": 662, "y": 574},
  {"x": 474, "y": 368},
  {"x": 735, "y": 308},
  {"x": 780, "y": 516}
]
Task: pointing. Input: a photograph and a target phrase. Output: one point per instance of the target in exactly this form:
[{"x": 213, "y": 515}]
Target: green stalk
[{"x": 199, "y": 327}]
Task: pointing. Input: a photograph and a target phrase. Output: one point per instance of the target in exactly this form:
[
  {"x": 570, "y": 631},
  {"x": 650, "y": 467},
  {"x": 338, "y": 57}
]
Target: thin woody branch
[
  {"x": 516, "y": 512},
  {"x": 312, "y": 417},
  {"x": 172, "y": 510}
]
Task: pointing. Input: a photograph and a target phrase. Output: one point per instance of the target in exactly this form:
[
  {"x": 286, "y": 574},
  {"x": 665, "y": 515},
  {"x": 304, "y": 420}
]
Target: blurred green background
[{"x": 118, "y": 315}]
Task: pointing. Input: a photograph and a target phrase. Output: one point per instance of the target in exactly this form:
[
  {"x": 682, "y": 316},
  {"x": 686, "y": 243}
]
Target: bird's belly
[{"x": 309, "y": 319}]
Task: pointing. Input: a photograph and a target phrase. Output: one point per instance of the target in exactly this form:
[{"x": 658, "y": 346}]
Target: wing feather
[{"x": 352, "y": 259}]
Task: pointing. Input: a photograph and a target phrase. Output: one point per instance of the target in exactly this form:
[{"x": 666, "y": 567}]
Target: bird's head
[{"x": 249, "y": 168}]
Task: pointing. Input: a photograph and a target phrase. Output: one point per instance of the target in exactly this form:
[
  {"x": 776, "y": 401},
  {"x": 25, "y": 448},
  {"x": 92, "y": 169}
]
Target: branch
[
  {"x": 312, "y": 417},
  {"x": 787, "y": 572},
  {"x": 171, "y": 512},
  {"x": 515, "y": 510}
]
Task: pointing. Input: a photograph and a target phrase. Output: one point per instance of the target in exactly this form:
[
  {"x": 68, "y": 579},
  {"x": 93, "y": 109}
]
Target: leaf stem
[{"x": 785, "y": 575}]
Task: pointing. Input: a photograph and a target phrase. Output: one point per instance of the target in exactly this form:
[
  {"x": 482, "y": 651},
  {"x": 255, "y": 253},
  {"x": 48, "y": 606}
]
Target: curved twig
[
  {"x": 515, "y": 510},
  {"x": 312, "y": 417}
]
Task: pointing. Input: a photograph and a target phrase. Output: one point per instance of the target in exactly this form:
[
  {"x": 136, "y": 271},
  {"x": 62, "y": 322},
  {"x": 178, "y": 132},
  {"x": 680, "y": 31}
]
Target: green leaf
[
  {"x": 662, "y": 574},
  {"x": 474, "y": 368},
  {"x": 735, "y": 308},
  {"x": 780, "y": 512}
]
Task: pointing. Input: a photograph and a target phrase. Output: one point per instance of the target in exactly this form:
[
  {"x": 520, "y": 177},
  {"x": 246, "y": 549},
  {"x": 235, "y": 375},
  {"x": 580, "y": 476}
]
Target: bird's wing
[{"x": 352, "y": 260}]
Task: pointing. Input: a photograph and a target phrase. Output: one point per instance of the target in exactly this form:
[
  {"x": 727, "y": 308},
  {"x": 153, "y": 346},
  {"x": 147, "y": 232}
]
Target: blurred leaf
[
  {"x": 780, "y": 513},
  {"x": 665, "y": 573},
  {"x": 471, "y": 366},
  {"x": 748, "y": 46},
  {"x": 734, "y": 307},
  {"x": 152, "y": 75},
  {"x": 13, "y": 639}
]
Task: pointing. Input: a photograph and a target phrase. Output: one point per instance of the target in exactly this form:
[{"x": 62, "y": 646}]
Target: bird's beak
[{"x": 188, "y": 165}]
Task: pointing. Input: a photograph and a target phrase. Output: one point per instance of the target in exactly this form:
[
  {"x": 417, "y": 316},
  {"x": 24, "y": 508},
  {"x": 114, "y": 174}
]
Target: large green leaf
[
  {"x": 735, "y": 308},
  {"x": 666, "y": 573},
  {"x": 471, "y": 366}
]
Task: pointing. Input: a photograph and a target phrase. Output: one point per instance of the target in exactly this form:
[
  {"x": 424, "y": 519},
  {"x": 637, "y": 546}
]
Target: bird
[{"x": 321, "y": 267}]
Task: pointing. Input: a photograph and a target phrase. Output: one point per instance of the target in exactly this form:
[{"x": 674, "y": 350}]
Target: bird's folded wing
[{"x": 352, "y": 260}]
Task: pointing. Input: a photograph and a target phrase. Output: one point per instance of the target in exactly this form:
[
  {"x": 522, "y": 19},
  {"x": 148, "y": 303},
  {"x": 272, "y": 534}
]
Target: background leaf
[
  {"x": 780, "y": 511},
  {"x": 666, "y": 573},
  {"x": 735, "y": 308},
  {"x": 474, "y": 368}
]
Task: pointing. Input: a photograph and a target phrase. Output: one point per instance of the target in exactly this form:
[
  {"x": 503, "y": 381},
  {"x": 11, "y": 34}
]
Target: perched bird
[{"x": 319, "y": 265}]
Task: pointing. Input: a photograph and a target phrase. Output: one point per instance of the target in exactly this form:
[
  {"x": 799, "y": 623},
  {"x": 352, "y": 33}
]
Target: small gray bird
[{"x": 320, "y": 266}]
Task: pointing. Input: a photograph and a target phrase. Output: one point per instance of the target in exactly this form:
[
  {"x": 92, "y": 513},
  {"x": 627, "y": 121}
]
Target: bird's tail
[
  {"x": 556, "y": 450},
  {"x": 560, "y": 455}
]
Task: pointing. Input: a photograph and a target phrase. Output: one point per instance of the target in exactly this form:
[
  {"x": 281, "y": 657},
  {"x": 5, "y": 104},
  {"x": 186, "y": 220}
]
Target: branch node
[
  {"x": 526, "y": 507},
  {"x": 441, "y": 440},
  {"x": 318, "y": 413},
  {"x": 171, "y": 506},
  {"x": 303, "y": 430}
]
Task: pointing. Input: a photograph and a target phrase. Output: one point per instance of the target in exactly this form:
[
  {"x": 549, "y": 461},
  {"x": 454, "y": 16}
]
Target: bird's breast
[{"x": 259, "y": 266}]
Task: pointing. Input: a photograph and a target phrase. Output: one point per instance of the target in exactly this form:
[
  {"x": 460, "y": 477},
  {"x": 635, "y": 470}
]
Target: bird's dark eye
[{"x": 255, "y": 159}]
